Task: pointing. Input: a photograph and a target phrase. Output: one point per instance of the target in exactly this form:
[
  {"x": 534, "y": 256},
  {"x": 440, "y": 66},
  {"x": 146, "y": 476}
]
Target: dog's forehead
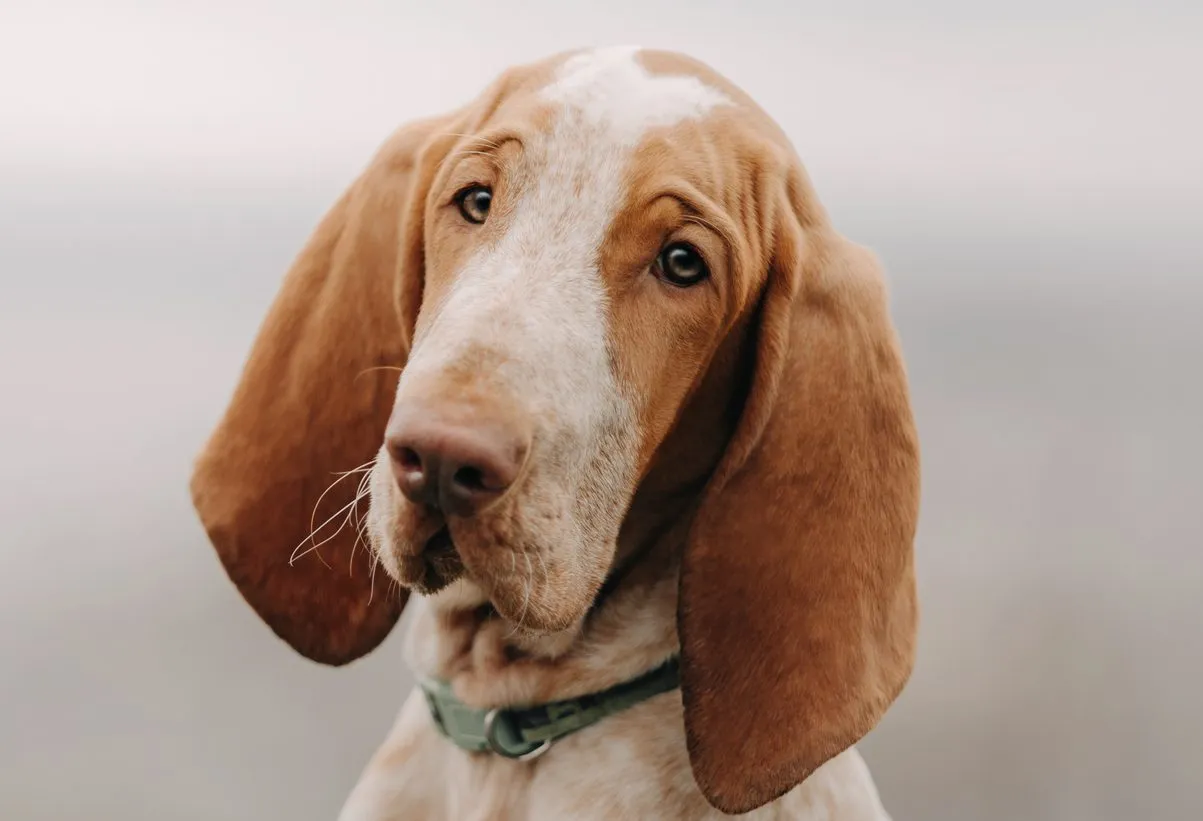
[{"x": 610, "y": 90}]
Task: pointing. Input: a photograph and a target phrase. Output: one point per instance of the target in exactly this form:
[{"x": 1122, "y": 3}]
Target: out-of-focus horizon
[{"x": 1029, "y": 173}]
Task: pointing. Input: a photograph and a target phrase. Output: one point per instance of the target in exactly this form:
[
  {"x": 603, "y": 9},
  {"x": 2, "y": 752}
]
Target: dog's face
[
  {"x": 612, "y": 297},
  {"x": 581, "y": 264}
]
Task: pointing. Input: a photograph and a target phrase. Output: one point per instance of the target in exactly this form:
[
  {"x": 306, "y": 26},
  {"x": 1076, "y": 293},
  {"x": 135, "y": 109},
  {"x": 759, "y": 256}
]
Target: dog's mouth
[{"x": 440, "y": 562}]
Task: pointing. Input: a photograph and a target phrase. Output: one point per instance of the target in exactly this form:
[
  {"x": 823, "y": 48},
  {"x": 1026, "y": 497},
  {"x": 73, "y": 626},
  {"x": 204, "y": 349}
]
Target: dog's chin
[
  {"x": 520, "y": 589},
  {"x": 528, "y": 614},
  {"x": 538, "y": 591}
]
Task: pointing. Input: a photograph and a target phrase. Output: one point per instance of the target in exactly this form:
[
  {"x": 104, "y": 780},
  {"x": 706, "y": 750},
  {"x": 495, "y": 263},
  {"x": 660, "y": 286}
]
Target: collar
[{"x": 526, "y": 732}]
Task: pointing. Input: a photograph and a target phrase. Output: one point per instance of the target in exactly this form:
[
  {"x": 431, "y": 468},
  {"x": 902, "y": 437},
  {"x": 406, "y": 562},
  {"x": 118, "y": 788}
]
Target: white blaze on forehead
[
  {"x": 537, "y": 296},
  {"x": 529, "y": 309},
  {"x": 609, "y": 87},
  {"x": 539, "y": 290}
]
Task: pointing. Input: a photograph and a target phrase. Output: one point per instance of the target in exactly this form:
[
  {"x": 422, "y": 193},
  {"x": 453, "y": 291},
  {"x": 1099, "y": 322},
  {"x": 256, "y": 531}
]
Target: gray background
[{"x": 1030, "y": 172}]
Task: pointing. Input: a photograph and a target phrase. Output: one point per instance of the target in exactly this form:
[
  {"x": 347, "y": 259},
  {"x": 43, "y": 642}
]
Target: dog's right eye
[
  {"x": 474, "y": 202},
  {"x": 681, "y": 264}
]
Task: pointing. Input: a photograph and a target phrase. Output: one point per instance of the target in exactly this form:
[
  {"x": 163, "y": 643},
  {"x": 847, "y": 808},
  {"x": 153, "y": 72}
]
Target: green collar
[{"x": 526, "y": 732}]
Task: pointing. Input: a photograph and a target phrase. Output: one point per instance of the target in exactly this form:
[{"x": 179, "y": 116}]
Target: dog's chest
[{"x": 632, "y": 765}]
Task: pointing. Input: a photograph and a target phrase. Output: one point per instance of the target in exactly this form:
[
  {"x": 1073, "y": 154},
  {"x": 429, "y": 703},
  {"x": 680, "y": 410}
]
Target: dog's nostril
[
  {"x": 470, "y": 478},
  {"x": 408, "y": 458},
  {"x": 410, "y": 468}
]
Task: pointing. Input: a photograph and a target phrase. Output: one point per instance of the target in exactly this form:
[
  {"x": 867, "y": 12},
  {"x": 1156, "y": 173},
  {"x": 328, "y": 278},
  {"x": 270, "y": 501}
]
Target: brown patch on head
[{"x": 701, "y": 184}]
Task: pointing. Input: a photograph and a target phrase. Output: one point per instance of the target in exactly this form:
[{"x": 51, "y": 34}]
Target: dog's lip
[
  {"x": 439, "y": 544},
  {"x": 439, "y": 561}
]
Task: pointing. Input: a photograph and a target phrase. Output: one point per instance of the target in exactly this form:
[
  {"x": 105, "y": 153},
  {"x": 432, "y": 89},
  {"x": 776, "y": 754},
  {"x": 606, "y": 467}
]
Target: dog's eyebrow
[
  {"x": 486, "y": 144},
  {"x": 699, "y": 209}
]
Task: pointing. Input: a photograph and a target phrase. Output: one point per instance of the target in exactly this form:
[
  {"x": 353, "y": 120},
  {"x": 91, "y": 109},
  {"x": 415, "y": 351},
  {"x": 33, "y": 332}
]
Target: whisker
[
  {"x": 371, "y": 582},
  {"x": 396, "y": 368},
  {"x": 467, "y": 152},
  {"x": 521, "y": 622},
  {"x": 319, "y": 555},
  {"x": 513, "y": 573},
  {"x": 481, "y": 140},
  {"x": 330, "y": 487},
  {"x": 361, "y": 537},
  {"x": 360, "y": 521},
  {"x": 341, "y": 512},
  {"x": 346, "y": 511},
  {"x": 543, "y": 566},
  {"x": 360, "y": 469}
]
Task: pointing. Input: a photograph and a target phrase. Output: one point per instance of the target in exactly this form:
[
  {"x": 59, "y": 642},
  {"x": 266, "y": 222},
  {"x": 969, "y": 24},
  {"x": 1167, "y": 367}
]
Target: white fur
[
  {"x": 534, "y": 302},
  {"x": 632, "y": 765},
  {"x": 539, "y": 292},
  {"x": 538, "y": 297},
  {"x": 609, "y": 89}
]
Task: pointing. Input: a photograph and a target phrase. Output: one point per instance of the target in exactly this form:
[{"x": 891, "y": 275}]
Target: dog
[{"x": 584, "y": 369}]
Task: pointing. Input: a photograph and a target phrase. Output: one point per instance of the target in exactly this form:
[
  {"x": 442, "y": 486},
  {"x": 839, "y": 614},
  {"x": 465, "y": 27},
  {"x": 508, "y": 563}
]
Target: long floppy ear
[
  {"x": 797, "y": 610},
  {"x": 312, "y": 403}
]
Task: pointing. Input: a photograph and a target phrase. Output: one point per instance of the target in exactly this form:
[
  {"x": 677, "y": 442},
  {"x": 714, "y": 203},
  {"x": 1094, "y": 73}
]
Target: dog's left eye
[
  {"x": 680, "y": 264},
  {"x": 474, "y": 202}
]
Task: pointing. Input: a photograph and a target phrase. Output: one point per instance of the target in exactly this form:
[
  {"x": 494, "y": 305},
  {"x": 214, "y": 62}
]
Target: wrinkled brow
[
  {"x": 700, "y": 209},
  {"x": 486, "y": 145}
]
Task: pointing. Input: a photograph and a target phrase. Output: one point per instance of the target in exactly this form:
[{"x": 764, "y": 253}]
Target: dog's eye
[
  {"x": 474, "y": 202},
  {"x": 680, "y": 264}
]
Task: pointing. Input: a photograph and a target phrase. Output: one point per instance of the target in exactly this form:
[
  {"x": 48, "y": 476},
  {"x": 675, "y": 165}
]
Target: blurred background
[{"x": 1030, "y": 172}]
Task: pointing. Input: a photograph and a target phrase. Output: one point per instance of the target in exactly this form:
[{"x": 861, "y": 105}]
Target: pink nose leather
[{"x": 459, "y": 466}]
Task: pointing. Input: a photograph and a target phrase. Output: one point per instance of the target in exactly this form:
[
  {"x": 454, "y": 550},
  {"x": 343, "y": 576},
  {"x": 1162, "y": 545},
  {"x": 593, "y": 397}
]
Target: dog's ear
[
  {"x": 278, "y": 485},
  {"x": 797, "y": 610}
]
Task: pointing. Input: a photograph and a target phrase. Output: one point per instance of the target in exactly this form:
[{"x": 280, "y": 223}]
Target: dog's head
[{"x": 605, "y": 283}]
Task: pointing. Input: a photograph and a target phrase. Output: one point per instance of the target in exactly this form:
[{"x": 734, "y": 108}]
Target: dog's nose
[{"x": 458, "y": 467}]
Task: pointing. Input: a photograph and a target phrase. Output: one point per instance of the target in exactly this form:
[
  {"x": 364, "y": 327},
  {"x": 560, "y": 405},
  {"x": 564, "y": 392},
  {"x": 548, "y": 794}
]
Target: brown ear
[
  {"x": 797, "y": 610},
  {"x": 312, "y": 404}
]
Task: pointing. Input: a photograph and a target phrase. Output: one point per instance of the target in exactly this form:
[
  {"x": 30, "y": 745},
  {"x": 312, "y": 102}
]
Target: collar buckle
[{"x": 493, "y": 719}]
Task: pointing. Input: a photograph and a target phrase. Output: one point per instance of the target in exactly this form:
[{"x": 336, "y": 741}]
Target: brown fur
[
  {"x": 777, "y": 469},
  {"x": 308, "y": 407}
]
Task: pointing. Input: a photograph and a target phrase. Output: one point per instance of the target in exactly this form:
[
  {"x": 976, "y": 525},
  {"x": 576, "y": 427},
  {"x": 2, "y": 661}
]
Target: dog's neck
[{"x": 456, "y": 636}]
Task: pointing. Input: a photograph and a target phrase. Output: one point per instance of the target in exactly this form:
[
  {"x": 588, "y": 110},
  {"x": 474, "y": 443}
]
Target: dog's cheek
[
  {"x": 546, "y": 588},
  {"x": 574, "y": 569},
  {"x": 383, "y": 525},
  {"x": 573, "y": 520},
  {"x": 538, "y": 594}
]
